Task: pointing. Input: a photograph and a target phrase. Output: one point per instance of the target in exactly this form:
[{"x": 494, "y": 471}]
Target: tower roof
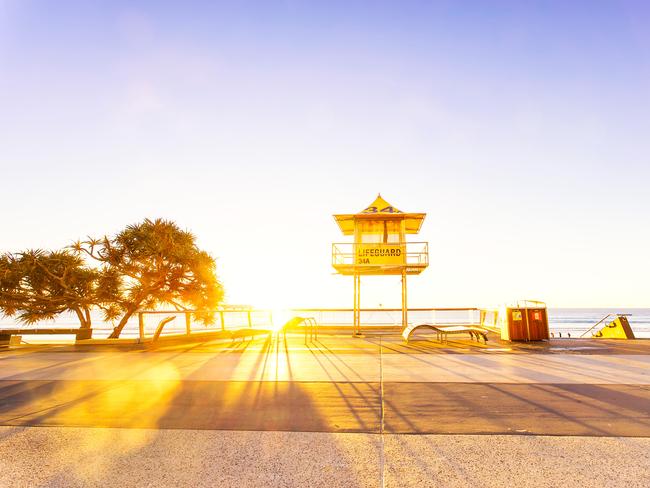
[
  {"x": 380, "y": 209},
  {"x": 380, "y": 206}
]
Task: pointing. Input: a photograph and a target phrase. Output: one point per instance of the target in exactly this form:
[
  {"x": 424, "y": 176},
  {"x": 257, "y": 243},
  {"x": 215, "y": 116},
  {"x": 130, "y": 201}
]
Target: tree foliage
[
  {"x": 147, "y": 265},
  {"x": 38, "y": 285},
  {"x": 150, "y": 264}
]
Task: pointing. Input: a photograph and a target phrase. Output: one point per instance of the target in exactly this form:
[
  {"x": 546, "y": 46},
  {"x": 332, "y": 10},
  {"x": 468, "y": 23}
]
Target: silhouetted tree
[
  {"x": 39, "y": 285},
  {"x": 154, "y": 263}
]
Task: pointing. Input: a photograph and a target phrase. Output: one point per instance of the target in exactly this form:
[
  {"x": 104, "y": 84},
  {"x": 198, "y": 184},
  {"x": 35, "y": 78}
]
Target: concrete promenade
[{"x": 335, "y": 411}]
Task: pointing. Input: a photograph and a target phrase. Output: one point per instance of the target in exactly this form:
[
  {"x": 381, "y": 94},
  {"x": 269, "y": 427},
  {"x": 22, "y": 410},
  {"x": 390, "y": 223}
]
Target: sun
[{"x": 280, "y": 317}]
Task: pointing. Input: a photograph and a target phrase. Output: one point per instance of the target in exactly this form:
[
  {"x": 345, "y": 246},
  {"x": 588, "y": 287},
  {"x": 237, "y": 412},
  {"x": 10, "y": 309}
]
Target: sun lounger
[
  {"x": 245, "y": 332},
  {"x": 443, "y": 331}
]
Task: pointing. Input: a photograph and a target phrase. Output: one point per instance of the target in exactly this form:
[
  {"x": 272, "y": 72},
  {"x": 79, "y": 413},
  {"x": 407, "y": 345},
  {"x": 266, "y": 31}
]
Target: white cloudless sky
[{"x": 520, "y": 128}]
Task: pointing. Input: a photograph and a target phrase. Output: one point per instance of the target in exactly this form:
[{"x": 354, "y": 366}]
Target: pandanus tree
[
  {"x": 152, "y": 264},
  {"x": 38, "y": 285}
]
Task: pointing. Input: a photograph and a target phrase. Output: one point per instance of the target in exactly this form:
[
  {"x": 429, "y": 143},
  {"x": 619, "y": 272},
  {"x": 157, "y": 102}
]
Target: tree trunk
[
  {"x": 88, "y": 319},
  {"x": 84, "y": 323},
  {"x": 127, "y": 315}
]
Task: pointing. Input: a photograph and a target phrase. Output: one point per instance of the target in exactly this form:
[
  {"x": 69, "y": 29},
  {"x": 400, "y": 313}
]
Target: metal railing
[
  {"x": 317, "y": 318},
  {"x": 387, "y": 318},
  {"x": 414, "y": 253},
  {"x": 223, "y": 320}
]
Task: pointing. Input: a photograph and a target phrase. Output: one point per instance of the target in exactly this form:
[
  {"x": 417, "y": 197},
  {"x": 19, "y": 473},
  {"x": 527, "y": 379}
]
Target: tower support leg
[
  {"x": 357, "y": 306},
  {"x": 404, "y": 302}
]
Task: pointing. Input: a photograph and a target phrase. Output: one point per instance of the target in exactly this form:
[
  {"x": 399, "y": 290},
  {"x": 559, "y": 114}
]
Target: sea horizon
[{"x": 567, "y": 321}]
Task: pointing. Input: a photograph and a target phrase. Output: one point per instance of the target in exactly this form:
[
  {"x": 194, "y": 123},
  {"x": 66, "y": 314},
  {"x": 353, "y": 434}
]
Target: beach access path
[{"x": 336, "y": 411}]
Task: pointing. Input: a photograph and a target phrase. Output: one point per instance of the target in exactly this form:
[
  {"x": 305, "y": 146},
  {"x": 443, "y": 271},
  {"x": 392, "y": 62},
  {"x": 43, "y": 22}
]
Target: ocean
[{"x": 573, "y": 321}]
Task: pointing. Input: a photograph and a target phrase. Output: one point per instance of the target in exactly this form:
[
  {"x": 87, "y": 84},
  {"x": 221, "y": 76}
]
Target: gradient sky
[{"x": 521, "y": 128}]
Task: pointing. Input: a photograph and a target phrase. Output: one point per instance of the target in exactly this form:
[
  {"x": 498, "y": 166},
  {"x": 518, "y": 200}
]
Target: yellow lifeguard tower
[{"x": 379, "y": 248}]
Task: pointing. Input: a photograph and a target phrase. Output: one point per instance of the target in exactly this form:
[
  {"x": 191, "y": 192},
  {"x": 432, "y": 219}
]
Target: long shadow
[
  {"x": 263, "y": 356},
  {"x": 383, "y": 401},
  {"x": 48, "y": 401},
  {"x": 287, "y": 357},
  {"x": 461, "y": 404},
  {"x": 581, "y": 369},
  {"x": 39, "y": 391},
  {"x": 60, "y": 364},
  {"x": 337, "y": 385},
  {"x": 393, "y": 409},
  {"x": 414, "y": 356},
  {"x": 266, "y": 405},
  {"x": 43, "y": 401},
  {"x": 557, "y": 412},
  {"x": 321, "y": 346},
  {"x": 611, "y": 395},
  {"x": 237, "y": 405},
  {"x": 143, "y": 368}
]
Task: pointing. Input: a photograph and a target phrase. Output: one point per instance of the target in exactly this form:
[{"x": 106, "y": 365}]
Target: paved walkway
[{"x": 333, "y": 412}]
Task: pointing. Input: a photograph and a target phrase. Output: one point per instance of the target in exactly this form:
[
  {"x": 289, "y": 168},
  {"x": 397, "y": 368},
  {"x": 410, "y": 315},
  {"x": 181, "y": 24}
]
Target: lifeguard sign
[{"x": 379, "y": 248}]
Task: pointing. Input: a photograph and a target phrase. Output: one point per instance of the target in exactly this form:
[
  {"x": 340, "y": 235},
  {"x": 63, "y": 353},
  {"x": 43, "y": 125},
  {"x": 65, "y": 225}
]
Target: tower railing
[{"x": 415, "y": 253}]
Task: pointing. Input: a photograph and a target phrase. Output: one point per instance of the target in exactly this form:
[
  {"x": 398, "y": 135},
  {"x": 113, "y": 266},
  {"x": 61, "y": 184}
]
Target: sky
[{"x": 522, "y": 129}]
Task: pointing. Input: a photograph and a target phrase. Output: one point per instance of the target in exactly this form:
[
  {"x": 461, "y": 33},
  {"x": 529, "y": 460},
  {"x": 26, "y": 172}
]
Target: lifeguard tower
[{"x": 379, "y": 248}]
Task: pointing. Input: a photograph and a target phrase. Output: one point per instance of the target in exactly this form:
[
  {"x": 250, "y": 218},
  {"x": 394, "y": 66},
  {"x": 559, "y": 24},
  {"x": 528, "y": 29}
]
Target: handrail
[
  {"x": 348, "y": 243},
  {"x": 526, "y": 304},
  {"x": 310, "y": 326},
  {"x": 160, "y": 327},
  {"x": 453, "y": 309},
  {"x": 255, "y": 310},
  {"x": 602, "y": 320},
  {"x": 248, "y": 322},
  {"x": 596, "y": 325}
]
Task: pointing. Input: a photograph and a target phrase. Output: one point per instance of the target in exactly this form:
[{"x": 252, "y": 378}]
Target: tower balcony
[{"x": 350, "y": 258}]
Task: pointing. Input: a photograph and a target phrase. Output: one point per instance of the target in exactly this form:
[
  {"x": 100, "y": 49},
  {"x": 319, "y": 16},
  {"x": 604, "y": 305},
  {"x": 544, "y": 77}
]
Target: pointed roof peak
[{"x": 380, "y": 206}]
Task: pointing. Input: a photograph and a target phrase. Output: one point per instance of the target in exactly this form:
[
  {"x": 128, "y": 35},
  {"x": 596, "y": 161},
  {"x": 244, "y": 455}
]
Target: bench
[
  {"x": 243, "y": 333},
  {"x": 80, "y": 334},
  {"x": 442, "y": 331}
]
